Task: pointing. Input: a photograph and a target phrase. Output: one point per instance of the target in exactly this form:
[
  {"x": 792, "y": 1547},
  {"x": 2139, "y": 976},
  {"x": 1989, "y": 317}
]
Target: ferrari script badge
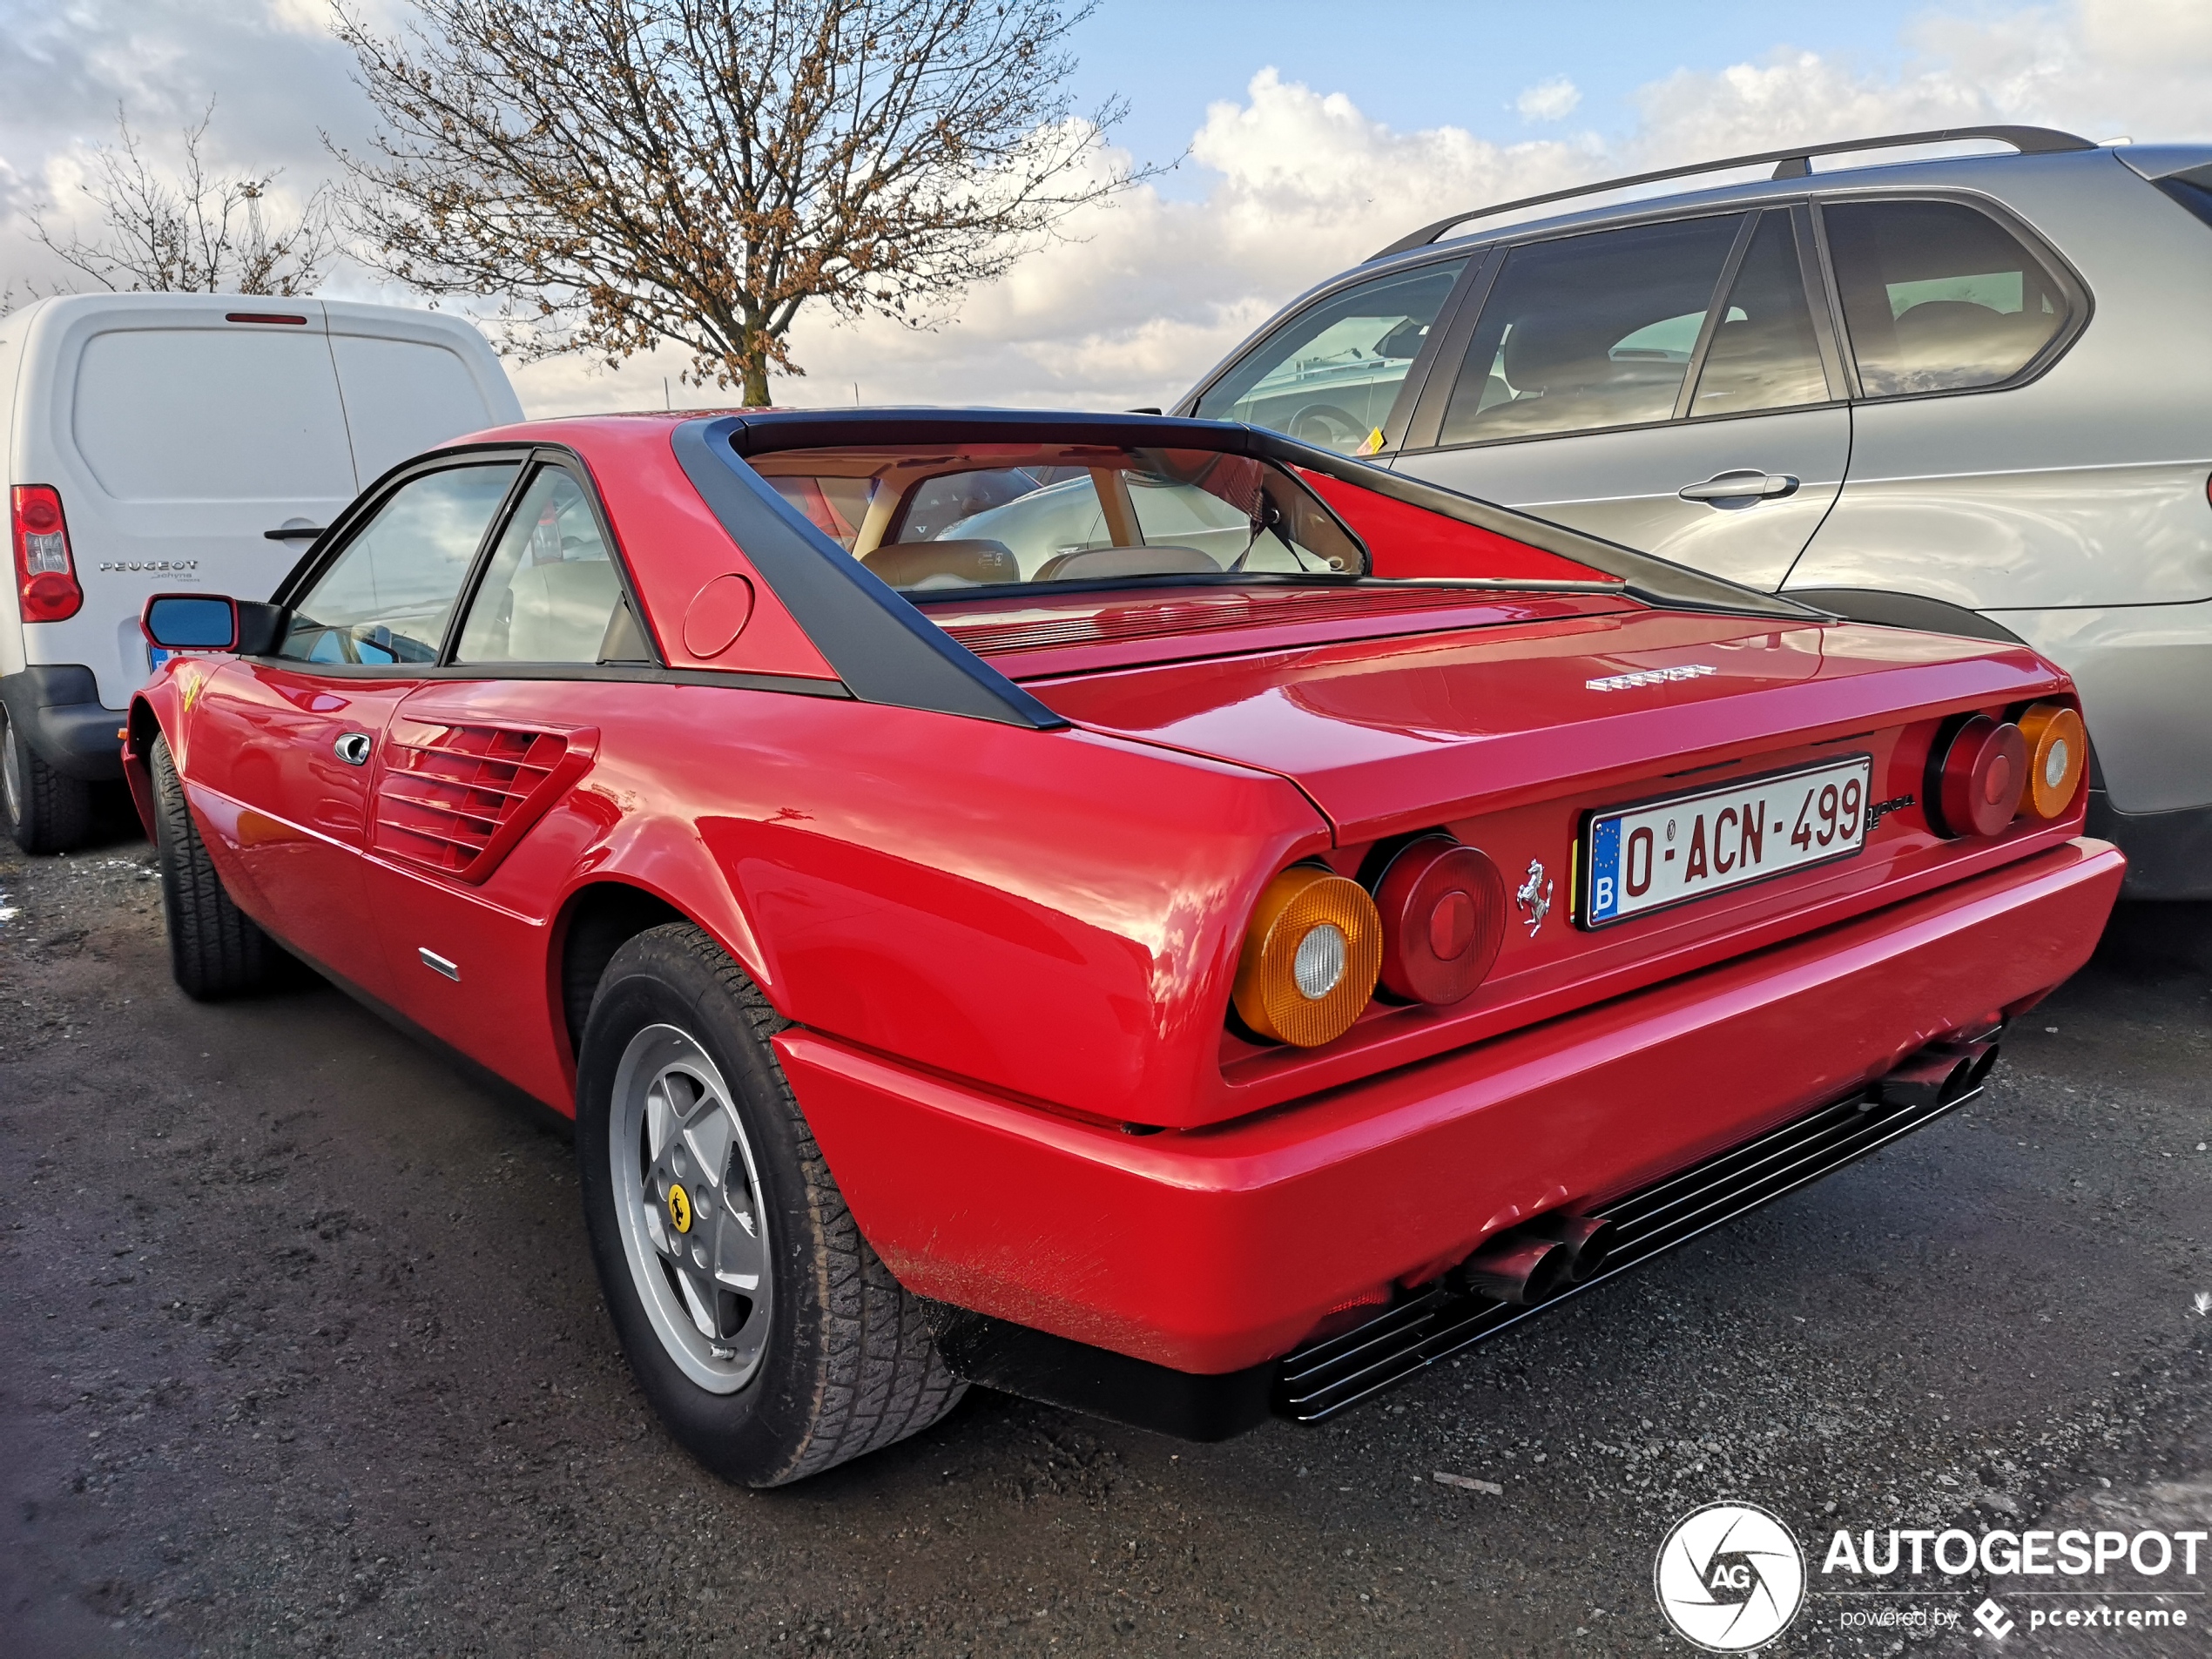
[
  {"x": 1534, "y": 896},
  {"x": 679, "y": 1207}
]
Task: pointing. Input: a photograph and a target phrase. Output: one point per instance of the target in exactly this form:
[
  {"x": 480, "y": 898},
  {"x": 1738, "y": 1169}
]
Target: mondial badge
[{"x": 679, "y": 1207}]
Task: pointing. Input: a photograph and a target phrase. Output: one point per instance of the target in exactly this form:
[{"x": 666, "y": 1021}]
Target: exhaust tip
[
  {"x": 1586, "y": 1240},
  {"x": 1518, "y": 1268}
]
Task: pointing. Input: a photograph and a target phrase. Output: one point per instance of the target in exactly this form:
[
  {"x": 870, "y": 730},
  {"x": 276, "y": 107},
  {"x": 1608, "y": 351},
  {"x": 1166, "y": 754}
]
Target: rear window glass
[
  {"x": 212, "y": 415},
  {"x": 1938, "y": 296},
  {"x": 924, "y": 521},
  {"x": 955, "y": 518}
]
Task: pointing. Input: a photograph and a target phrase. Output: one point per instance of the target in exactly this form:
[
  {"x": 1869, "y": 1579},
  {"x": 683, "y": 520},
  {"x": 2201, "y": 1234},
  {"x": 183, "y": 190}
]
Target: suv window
[
  {"x": 1595, "y": 330},
  {"x": 1763, "y": 354},
  {"x": 387, "y": 597},
  {"x": 1938, "y": 296},
  {"x": 550, "y": 591},
  {"x": 1330, "y": 376}
]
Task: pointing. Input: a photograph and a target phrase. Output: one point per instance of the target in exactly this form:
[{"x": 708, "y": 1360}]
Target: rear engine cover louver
[{"x": 456, "y": 798}]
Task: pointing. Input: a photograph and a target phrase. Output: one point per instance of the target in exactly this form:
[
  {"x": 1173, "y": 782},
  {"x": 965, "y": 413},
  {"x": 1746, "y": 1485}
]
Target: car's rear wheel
[
  {"x": 771, "y": 1341},
  {"x": 48, "y": 811},
  {"x": 215, "y": 949}
]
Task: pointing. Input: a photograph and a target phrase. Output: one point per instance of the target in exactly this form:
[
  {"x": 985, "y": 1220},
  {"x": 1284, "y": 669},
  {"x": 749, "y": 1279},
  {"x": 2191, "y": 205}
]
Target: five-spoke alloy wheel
[
  {"x": 694, "y": 1228},
  {"x": 771, "y": 1341}
]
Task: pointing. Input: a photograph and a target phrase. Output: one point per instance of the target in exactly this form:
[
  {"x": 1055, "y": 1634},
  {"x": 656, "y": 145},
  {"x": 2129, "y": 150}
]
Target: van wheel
[
  {"x": 215, "y": 949},
  {"x": 771, "y": 1341},
  {"x": 48, "y": 811}
]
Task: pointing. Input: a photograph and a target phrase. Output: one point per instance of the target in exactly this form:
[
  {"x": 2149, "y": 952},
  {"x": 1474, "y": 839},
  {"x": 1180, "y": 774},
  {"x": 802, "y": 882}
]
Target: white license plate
[{"x": 1636, "y": 859}]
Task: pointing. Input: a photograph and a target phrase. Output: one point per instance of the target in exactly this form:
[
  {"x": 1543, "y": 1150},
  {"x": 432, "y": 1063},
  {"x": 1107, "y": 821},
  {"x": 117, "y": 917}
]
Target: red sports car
[{"x": 1136, "y": 911}]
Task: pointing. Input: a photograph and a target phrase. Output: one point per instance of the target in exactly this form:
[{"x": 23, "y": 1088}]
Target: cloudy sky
[{"x": 1308, "y": 135}]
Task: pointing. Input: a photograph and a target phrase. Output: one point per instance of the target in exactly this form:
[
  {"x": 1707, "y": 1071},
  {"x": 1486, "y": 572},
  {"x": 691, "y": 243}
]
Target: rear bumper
[
  {"x": 59, "y": 712},
  {"x": 1212, "y": 1250}
]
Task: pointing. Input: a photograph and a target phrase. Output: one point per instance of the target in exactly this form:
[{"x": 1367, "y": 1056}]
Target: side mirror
[{"x": 210, "y": 622}]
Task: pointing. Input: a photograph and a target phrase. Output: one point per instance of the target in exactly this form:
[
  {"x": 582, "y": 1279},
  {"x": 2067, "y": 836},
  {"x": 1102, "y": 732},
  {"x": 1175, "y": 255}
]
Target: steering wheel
[{"x": 1327, "y": 427}]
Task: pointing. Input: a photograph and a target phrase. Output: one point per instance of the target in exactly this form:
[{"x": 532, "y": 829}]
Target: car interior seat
[{"x": 957, "y": 561}]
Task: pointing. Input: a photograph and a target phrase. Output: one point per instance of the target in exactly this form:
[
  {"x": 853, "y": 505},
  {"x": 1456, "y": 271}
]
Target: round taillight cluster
[
  {"x": 1994, "y": 771},
  {"x": 1319, "y": 944},
  {"x": 1443, "y": 909},
  {"x": 2057, "y": 753},
  {"x": 1309, "y": 957}
]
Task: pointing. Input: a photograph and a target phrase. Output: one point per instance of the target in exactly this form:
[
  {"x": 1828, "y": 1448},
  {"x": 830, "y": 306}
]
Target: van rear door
[
  {"x": 412, "y": 380},
  {"x": 182, "y": 429}
]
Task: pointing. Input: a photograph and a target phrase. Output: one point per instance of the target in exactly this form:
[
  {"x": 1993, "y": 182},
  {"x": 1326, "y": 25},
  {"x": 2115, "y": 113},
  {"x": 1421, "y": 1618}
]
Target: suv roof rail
[{"x": 1793, "y": 162}]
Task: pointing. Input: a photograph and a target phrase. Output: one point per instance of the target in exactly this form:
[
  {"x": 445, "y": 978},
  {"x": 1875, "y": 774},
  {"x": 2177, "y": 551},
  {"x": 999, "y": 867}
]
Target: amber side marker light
[
  {"x": 1443, "y": 907},
  {"x": 1310, "y": 959},
  {"x": 1975, "y": 787},
  {"x": 2058, "y": 752}
]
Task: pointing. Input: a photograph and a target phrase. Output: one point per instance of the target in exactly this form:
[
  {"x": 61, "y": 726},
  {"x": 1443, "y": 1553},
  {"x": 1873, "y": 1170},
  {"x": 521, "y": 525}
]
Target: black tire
[
  {"x": 47, "y": 811},
  {"x": 215, "y": 949},
  {"x": 848, "y": 1365}
]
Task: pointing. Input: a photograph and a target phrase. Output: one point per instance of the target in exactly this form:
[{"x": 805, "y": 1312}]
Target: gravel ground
[{"x": 304, "y": 1355}]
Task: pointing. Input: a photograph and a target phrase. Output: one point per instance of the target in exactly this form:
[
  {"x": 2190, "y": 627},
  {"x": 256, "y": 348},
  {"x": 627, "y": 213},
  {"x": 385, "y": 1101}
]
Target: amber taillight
[
  {"x": 46, "y": 585},
  {"x": 1309, "y": 957},
  {"x": 2057, "y": 753}
]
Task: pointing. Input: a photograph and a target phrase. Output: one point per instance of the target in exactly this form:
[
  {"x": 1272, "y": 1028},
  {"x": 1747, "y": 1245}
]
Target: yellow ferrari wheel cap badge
[{"x": 679, "y": 1207}]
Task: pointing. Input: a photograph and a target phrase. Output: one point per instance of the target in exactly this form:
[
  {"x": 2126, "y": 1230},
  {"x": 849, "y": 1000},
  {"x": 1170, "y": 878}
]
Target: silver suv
[{"x": 1971, "y": 394}]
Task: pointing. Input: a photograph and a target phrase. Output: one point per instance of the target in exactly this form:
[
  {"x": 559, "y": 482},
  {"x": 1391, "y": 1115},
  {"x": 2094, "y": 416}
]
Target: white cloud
[
  {"x": 1551, "y": 100},
  {"x": 1146, "y": 293}
]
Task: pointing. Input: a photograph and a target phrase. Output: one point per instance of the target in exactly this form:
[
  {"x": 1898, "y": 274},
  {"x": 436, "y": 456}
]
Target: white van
[{"x": 156, "y": 442}]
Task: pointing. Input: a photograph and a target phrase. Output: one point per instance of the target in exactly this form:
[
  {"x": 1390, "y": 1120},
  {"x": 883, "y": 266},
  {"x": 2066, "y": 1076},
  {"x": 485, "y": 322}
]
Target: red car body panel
[
  {"x": 1210, "y": 1251},
  {"x": 1006, "y": 950}
]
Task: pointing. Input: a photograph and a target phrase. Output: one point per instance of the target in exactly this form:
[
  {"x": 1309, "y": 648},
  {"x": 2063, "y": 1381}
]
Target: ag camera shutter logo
[{"x": 1729, "y": 1577}]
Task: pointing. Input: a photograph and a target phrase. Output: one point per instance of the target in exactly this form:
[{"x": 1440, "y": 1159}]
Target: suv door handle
[
  {"x": 353, "y": 748},
  {"x": 1742, "y": 488}
]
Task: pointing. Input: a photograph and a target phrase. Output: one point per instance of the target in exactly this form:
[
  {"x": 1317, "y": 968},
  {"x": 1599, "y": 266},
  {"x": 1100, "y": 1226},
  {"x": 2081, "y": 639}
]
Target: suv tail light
[
  {"x": 1443, "y": 909},
  {"x": 46, "y": 574},
  {"x": 1975, "y": 787}
]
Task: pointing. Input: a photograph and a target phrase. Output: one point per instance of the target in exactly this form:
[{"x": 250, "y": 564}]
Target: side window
[
  {"x": 1589, "y": 331},
  {"x": 1938, "y": 296},
  {"x": 1763, "y": 354},
  {"x": 390, "y": 594},
  {"x": 550, "y": 592},
  {"x": 1330, "y": 375}
]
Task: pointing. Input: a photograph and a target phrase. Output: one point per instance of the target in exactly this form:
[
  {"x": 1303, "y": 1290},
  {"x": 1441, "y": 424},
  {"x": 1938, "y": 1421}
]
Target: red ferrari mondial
[{"x": 1136, "y": 912}]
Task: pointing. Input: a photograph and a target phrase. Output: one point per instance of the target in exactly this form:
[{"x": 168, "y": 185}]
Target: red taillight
[
  {"x": 1443, "y": 907},
  {"x": 1975, "y": 787},
  {"x": 46, "y": 574}
]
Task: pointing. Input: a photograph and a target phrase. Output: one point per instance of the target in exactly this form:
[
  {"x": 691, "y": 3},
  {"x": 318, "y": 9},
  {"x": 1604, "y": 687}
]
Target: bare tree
[
  {"x": 205, "y": 232},
  {"x": 626, "y": 172}
]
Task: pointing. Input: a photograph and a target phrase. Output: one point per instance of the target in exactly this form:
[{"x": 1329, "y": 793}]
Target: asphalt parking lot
[{"x": 304, "y": 1354}]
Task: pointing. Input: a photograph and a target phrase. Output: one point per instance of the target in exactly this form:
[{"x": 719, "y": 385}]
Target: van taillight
[{"x": 46, "y": 574}]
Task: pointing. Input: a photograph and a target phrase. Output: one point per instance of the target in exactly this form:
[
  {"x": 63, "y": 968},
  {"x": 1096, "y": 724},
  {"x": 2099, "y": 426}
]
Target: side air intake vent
[{"x": 456, "y": 798}]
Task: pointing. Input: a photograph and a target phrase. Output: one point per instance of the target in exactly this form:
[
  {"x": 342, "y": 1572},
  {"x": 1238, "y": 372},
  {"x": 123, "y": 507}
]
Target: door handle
[
  {"x": 295, "y": 531},
  {"x": 353, "y": 748},
  {"x": 1742, "y": 488}
]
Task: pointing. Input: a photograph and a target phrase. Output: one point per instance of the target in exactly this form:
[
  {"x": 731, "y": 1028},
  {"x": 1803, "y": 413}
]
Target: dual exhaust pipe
[
  {"x": 1540, "y": 1258},
  {"x": 1942, "y": 1074},
  {"x": 1535, "y": 1261}
]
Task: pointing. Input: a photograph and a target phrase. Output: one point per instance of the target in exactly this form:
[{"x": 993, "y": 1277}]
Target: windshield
[{"x": 937, "y": 516}]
